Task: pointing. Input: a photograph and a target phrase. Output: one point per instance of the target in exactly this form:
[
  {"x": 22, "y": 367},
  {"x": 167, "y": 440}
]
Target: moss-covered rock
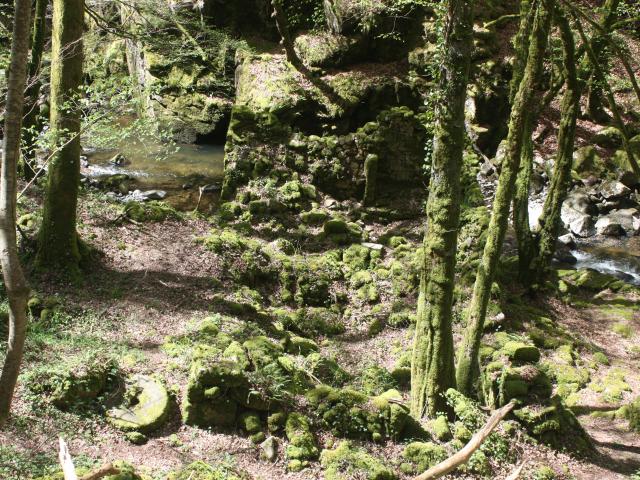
[
  {"x": 375, "y": 380},
  {"x": 327, "y": 370},
  {"x": 346, "y": 462},
  {"x": 146, "y": 408},
  {"x": 153, "y": 211},
  {"x": 302, "y": 446},
  {"x": 554, "y": 425},
  {"x": 352, "y": 414},
  {"x": 420, "y": 456},
  {"x": 440, "y": 428},
  {"x": 70, "y": 385},
  {"x": 612, "y": 387},
  {"x": 200, "y": 470},
  {"x": 126, "y": 472}
]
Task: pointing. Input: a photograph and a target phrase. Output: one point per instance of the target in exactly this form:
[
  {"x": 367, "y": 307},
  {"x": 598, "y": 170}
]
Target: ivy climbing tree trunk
[
  {"x": 15, "y": 283},
  {"x": 432, "y": 366},
  {"x": 31, "y": 122},
  {"x": 58, "y": 239},
  {"x": 520, "y": 115},
  {"x": 570, "y": 109}
]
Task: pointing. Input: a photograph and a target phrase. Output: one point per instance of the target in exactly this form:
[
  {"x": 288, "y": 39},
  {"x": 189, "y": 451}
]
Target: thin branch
[
  {"x": 48, "y": 159},
  {"x": 476, "y": 441}
]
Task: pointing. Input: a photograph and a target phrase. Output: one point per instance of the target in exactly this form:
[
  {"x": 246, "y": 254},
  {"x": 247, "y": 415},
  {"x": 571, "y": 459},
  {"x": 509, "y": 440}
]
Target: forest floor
[{"x": 154, "y": 280}]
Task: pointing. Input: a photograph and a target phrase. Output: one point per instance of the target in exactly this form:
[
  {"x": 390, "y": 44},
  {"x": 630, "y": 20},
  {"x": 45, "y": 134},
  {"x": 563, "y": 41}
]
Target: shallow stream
[{"x": 179, "y": 171}]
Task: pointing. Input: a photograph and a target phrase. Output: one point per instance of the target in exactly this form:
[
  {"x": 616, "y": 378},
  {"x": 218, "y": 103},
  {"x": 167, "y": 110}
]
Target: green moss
[
  {"x": 317, "y": 321},
  {"x": 147, "y": 407},
  {"x": 374, "y": 380},
  {"x": 440, "y": 428},
  {"x": 631, "y": 412},
  {"x": 347, "y": 462},
  {"x": 276, "y": 422},
  {"x": 423, "y": 455},
  {"x": 623, "y": 329},
  {"x": 327, "y": 370},
  {"x": 300, "y": 345},
  {"x": 302, "y": 444},
  {"x": 200, "y": 470},
  {"x": 262, "y": 351},
  {"x": 612, "y": 387},
  {"x": 314, "y": 217},
  {"x": 600, "y": 358},
  {"x": 68, "y": 385},
  {"x": 356, "y": 258},
  {"x": 149, "y": 211},
  {"x": 521, "y": 352},
  {"x": 544, "y": 473}
]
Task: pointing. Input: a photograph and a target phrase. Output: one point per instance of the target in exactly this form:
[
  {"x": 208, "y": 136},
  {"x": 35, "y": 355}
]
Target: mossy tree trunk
[
  {"x": 58, "y": 238},
  {"x": 14, "y": 281},
  {"x": 432, "y": 366},
  {"x": 523, "y": 181},
  {"x": 31, "y": 123},
  {"x": 570, "y": 109},
  {"x": 280, "y": 16},
  {"x": 595, "y": 109},
  {"x": 520, "y": 114},
  {"x": 617, "y": 117}
]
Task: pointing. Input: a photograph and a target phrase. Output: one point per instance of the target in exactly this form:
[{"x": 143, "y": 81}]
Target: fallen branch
[
  {"x": 516, "y": 473},
  {"x": 463, "y": 455},
  {"x": 107, "y": 469},
  {"x": 69, "y": 471}
]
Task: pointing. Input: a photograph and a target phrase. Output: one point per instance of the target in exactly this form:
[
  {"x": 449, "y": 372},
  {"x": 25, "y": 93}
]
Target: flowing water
[
  {"x": 620, "y": 258},
  {"x": 179, "y": 171}
]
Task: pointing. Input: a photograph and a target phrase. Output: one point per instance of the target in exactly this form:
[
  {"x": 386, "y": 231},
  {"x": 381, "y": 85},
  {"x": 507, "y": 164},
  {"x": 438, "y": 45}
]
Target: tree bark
[
  {"x": 550, "y": 220},
  {"x": 595, "y": 109},
  {"x": 58, "y": 239},
  {"x": 14, "y": 280},
  {"x": 31, "y": 112},
  {"x": 520, "y": 115},
  {"x": 523, "y": 181},
  {"x": 432, "y": 366},
  {"x": 617, "y": 117}
]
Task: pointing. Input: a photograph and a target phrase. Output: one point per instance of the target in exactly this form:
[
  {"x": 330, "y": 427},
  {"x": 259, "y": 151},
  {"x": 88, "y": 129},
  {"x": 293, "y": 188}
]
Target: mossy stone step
[{"x": 149, "y": 407}]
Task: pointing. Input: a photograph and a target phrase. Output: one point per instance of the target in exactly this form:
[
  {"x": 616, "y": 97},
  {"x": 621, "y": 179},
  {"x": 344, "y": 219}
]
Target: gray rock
[
  {"x": 373, "y": 246},
  {"x": 628, "y": 219},
  {"x": 567, "y": 240},
  {"x": 154, "y": 195},
  {"x": 614, "y": 189},
  {"x": 582, "y": 226},
  {"x": 564, "y": 256},
  {"x": 608, "y": 227},
  {"x": 580, "y": 202},
  {"x": 118, "y": 160},
  {"x": 269, "y": 449}
]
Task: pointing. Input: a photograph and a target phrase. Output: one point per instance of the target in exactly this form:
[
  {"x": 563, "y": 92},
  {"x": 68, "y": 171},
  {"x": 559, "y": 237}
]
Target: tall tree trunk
[
  {"x": 432, "y": 366},
  {"x": 595, "y": 109},
  {"x": 15, "y": 283},
  {"x": 617, "y": 117},
  {"x": 570, "y": 109},
  {"x": 523, "y": 182},
  {"x": 282, "y": 24},
  {"x": 31, "y": 112},
  {"x": 520, "y": 115},
  {"x": 58, "y": 238}
]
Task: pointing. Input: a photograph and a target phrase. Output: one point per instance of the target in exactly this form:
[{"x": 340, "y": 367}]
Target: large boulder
[
  {"x": 609, "y": 137},
  {"x": 146, "y": 408},
  {"x": 619, "y": 222},
  {"x": 613, "y": 190}
]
